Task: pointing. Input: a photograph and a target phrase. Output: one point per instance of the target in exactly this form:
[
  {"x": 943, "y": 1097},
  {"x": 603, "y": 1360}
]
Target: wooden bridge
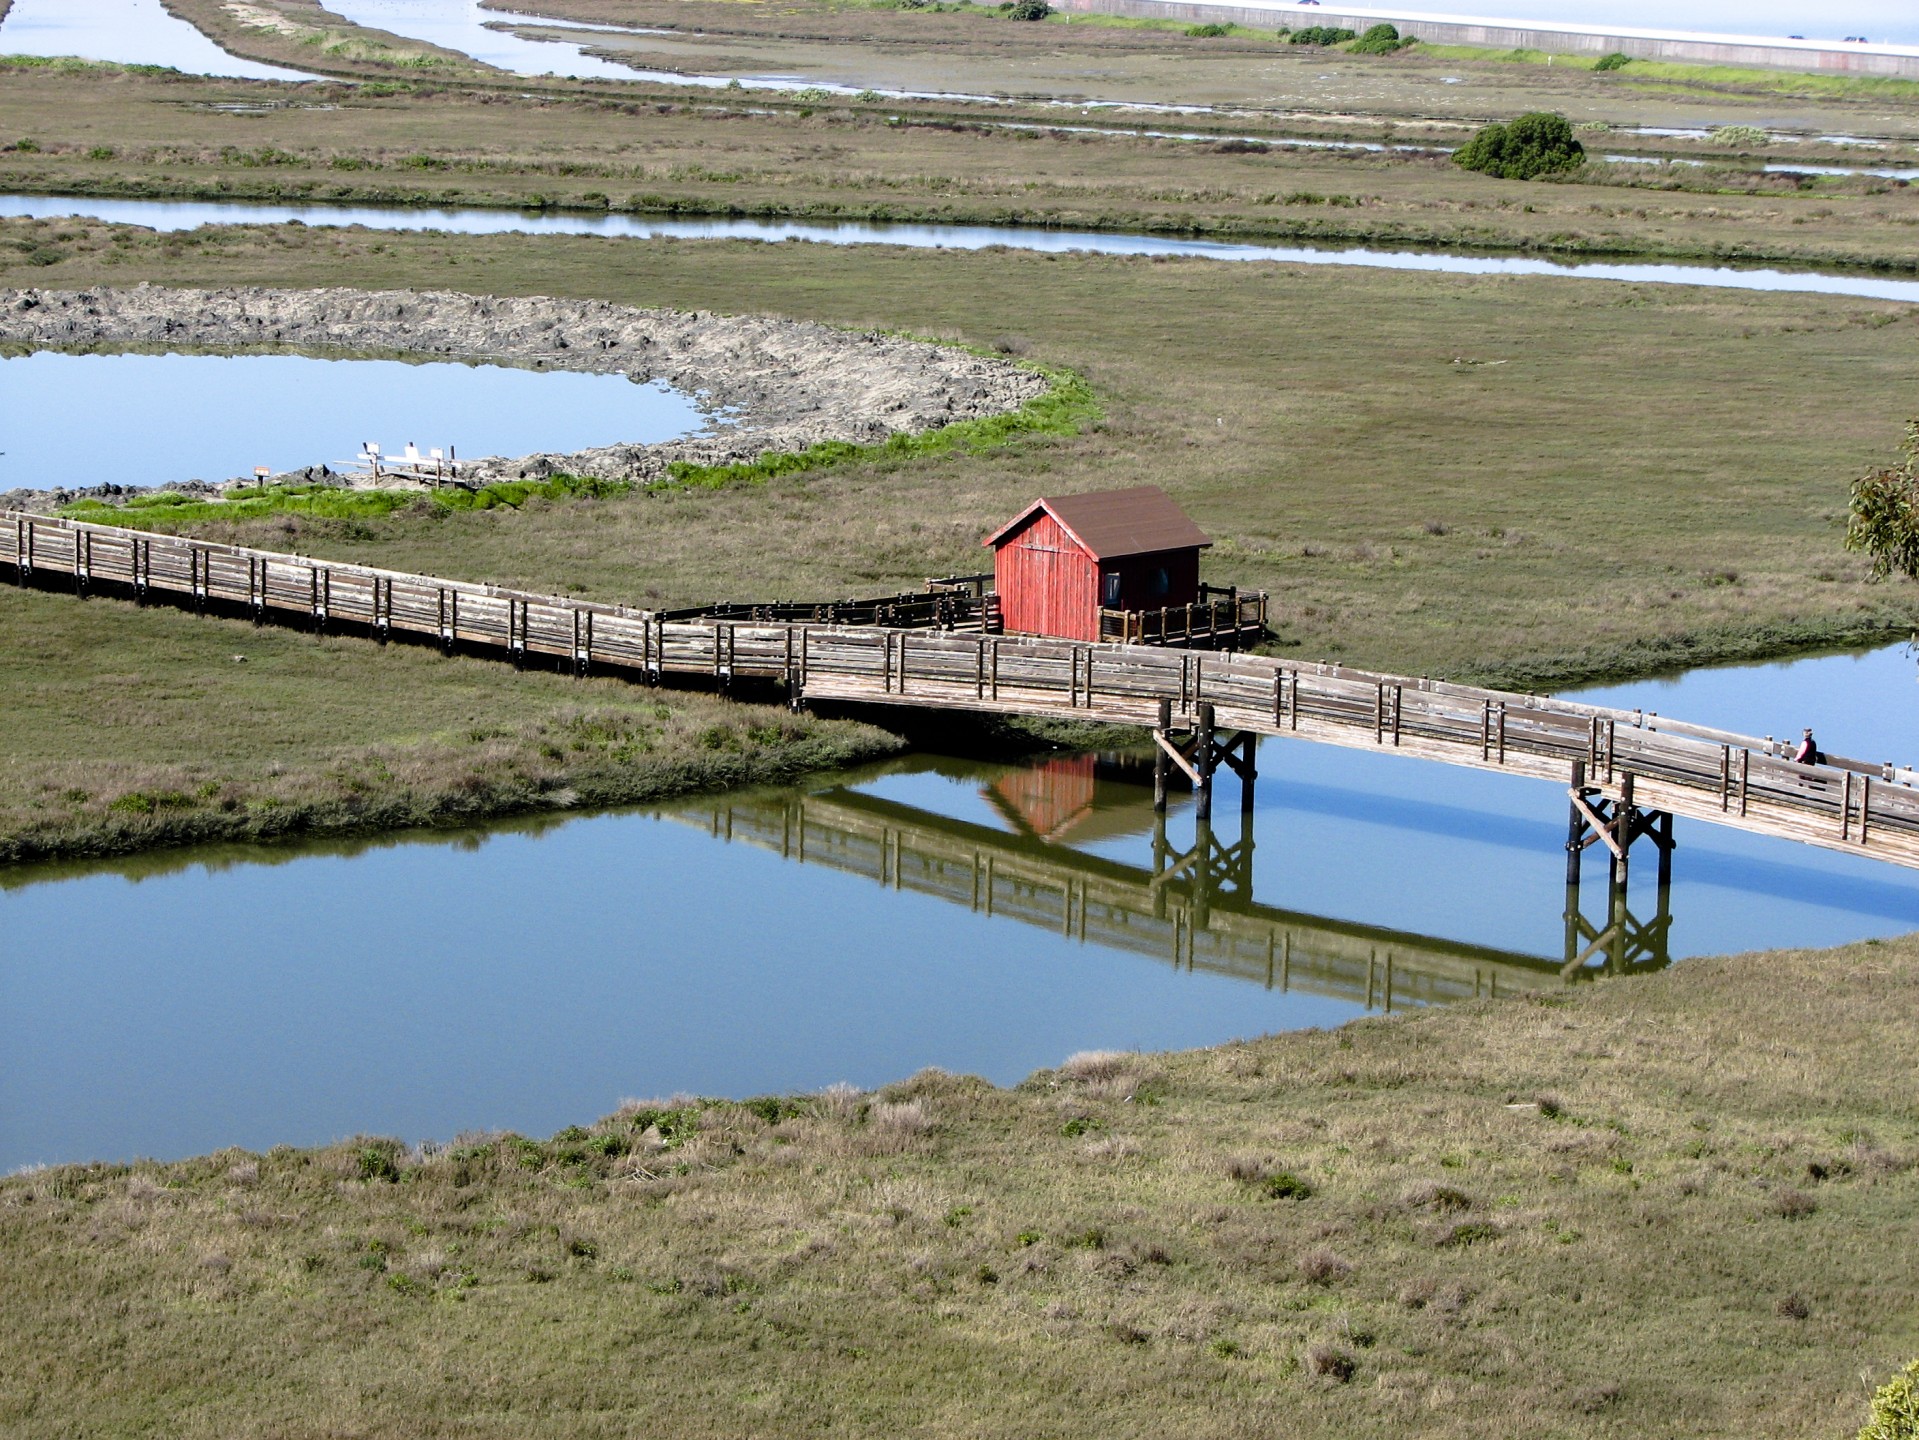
[
  {"x": 1194, "y": 911},
  {"x": 1627, "y": 771}
]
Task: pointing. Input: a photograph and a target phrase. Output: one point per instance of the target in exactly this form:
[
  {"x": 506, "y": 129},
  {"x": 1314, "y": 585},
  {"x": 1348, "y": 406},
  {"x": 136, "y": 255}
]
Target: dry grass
[
  {"x": 939, "y": 1257},
  {"x": 109, "y": 134}
]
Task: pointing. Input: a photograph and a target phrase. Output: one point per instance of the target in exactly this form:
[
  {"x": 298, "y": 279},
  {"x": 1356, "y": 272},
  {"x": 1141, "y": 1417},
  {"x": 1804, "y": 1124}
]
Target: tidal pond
[
  {"x": 127, "y": 32},
  {"x": 985, "y": 917},
  {"x": 149, "y": 420}
]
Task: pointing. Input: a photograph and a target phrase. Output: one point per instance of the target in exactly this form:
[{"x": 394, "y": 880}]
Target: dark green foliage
[
  {"x": 1614, "y": 61},
  {"x": 1535, "y": 144},
  {"x": 1883, "y": 517},
  {"x": 1322, "y": 35},
  {"x": 1380, "y": 39},
  {"x": 1029, "y": 10},
  {"x": 1285, "y": 1186},
  {"x": 1208, "y": 32}
]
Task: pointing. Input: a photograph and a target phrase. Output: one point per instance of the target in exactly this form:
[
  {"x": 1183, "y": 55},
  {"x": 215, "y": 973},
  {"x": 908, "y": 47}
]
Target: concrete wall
[{"x": 1517, "y": 35}]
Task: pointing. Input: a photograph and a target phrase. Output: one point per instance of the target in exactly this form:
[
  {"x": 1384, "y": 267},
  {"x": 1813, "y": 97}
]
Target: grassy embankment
[
  {"x": 1522, "y": 482},
  {"x": 1676, "y": 1205},
  {"x": 110, "y": 133},
  {"x": 149, "y": 730}
]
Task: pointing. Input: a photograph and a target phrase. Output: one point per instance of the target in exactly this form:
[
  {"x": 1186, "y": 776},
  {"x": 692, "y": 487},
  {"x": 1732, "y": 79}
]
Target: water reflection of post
[{"x": 1626, "y": 945}]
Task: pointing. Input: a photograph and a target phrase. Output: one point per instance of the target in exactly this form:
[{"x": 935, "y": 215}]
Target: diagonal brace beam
[
  {"x": 1601, "y": 826},
  {"x": 1178, "y": 758}
]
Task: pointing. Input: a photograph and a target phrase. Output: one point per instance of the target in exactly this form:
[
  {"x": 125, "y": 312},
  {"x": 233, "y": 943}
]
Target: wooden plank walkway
[
  {"x": 1647, "y": 761},
  {"x": 1122, "y": 907}
]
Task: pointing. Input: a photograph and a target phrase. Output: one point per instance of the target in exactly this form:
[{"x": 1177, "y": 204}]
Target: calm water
[
  {"x": 534, "y": 975},
  {"x": 212, "y": 417},
  {"x": 461, "y": 25},
  {"x": 129, "y": 32},
  {"x": 187, "y": 214}
]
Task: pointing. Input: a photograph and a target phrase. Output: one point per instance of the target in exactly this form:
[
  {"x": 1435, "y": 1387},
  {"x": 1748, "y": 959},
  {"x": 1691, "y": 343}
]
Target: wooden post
[
  {"x": 1249, "y": 743},
  {"x": 1663, "y": 838},
  {"x": 1203, "y": 755},
  {"x": 1575, "y": 835},
  {"x": 1160, "y": 761}
]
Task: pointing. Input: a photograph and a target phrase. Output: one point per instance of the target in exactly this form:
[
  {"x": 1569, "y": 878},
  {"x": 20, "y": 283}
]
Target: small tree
[
  {"x": 1029, "y": 10},
  {"x": 1535, "y": 144},
  {"x": 1379, "y": 40},
  {"x": 1895, "y": 1408},
  {"x": 1883, "y": 517}
]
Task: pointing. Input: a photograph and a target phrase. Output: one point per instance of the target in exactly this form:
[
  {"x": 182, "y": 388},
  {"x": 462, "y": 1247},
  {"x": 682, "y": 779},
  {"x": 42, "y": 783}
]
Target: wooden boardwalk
[
  {"x": 1179, "y": 914},
  {"x": 1621, "y": 764}
]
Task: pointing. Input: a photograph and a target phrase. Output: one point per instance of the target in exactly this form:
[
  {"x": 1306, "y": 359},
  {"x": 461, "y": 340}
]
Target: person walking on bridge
[{"x": 1808, "y": 751}]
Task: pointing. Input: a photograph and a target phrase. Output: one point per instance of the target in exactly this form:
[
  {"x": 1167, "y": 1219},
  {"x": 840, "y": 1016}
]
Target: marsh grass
[
  {"x": 150, "y": 734},
  {"x": 936, "y": 1256}
]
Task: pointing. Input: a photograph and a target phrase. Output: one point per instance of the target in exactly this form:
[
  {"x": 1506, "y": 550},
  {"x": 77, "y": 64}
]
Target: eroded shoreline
[{"x": 771, "y": 384}]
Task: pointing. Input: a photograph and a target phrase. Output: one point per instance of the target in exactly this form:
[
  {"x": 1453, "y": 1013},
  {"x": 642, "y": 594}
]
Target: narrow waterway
[
  {"x": 170, "y": 215},
  {"x": 989, "y": 918}
]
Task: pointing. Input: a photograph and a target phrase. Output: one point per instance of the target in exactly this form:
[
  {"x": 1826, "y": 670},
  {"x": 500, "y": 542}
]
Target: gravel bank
[{"x": 769, "y": 384}]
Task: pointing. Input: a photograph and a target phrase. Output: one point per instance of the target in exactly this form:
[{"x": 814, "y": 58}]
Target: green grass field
[{"x": 1677, "y": 1205}]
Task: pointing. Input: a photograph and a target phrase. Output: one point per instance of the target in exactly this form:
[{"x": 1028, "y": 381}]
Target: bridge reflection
[{"x": 1191, "y": 906}]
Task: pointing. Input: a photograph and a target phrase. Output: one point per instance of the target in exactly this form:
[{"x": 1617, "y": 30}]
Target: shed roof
[{"x": 1111, "y": 523}]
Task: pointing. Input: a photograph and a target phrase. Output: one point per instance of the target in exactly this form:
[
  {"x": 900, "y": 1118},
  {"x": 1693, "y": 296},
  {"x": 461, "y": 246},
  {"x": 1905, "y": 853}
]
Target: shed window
[
  {"x": 1109, "y": 589},
  {"x": 1162, "y": 583}
]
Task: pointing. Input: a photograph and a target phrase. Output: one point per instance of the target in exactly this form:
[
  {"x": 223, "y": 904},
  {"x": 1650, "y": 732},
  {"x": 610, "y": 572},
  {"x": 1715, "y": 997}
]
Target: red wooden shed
[{"x": 1064, "y": 558}]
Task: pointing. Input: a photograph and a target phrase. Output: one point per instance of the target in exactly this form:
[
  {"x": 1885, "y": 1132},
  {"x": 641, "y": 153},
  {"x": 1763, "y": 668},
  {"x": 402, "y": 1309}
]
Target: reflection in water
[{"x": 1192, "y": 906}]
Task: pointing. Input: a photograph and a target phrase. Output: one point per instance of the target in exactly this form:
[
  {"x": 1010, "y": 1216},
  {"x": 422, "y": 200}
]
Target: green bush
[
  {"x": 1535, "y": 144},
  {"x": 1029, "y": 10},
  {"x": 1379, "y": 40},
  {"x": 1882, "y": 518},
  {"x": 1208, "y": 32},
  {"x": 1614, "y": 61},
  {"x": 1322, "y": 35},
  {"x": 1895, "y": 1408},
  {"x": 1731, "y": 135}
]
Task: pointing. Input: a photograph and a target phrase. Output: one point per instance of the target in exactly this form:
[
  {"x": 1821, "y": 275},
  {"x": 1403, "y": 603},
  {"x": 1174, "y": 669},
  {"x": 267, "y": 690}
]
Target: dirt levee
[{"x": 768, "y": 383}]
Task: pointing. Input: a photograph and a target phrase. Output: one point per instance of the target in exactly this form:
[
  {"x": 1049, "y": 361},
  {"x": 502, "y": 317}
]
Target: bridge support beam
[
  {"x": 1199, "y": 757},
  {"x": 1615, "y": 822}
]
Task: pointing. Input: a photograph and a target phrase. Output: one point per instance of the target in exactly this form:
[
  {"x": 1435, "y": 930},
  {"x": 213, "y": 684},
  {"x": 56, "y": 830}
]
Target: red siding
[{"x": 1047, "y": 584}]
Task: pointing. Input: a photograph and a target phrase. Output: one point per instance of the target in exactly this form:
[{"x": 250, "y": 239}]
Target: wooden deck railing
[
  {"x": 1729, "y": 779},
  {"x": 1221, "y": 619}
]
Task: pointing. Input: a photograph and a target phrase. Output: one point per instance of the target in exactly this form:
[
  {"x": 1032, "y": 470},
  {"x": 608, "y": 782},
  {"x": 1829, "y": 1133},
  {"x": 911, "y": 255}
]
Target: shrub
[
  {"x": 1731, "y": 135},
  {"x": 1380, "y": 39},
  {"x": 1321, "y": 35},
  {"x": 1535, "y": 144},
  {"x": 1208, "y": 32},
  {"x": 1029, "y": 10},
  {"x": 1285, "y": 1186},
  {"x": 1895, "y": 1408},
  {"x": 1883, "y": 517},
  {"x": 1330, "y": 1362},
  {"x": 1614, "y": 61}
]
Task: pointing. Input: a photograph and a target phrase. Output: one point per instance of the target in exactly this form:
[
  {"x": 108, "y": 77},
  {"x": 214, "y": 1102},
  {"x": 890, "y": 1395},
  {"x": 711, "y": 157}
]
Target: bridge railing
[{"x": 1842, "y": 804}]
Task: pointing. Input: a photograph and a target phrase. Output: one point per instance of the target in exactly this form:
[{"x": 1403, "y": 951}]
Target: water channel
[
  {"x": 985, "y": 917},
  {"x": 187, "y": 214},
  {"x": 127, "y": 32},
  {"x": 212, "y": 417}
]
